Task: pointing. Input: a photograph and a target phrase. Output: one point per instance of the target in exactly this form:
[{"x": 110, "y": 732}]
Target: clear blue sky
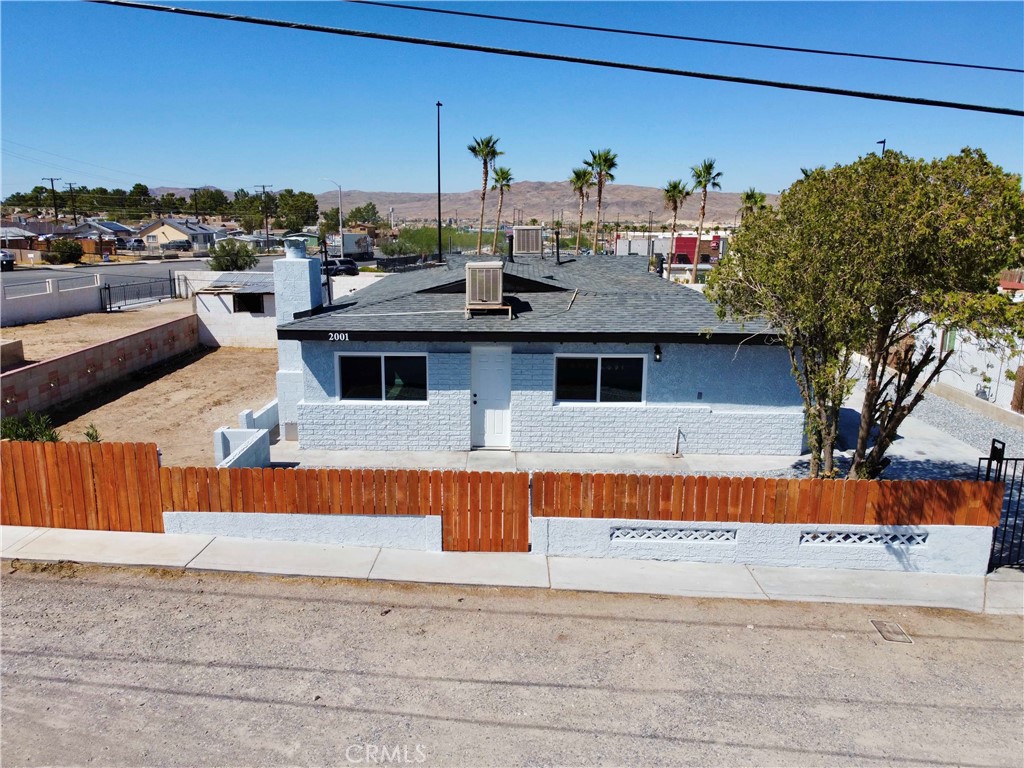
[{"x": 100, "y": 95}]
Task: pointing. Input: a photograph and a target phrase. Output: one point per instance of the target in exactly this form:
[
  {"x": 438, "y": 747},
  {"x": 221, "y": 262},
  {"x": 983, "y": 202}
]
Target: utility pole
[
  {"x": 195, "y": 202},
  {"x": 53, "y": 192},
  {"x": 74, "y": 212},
  {"x": 266, "y": 214},
  {"x": 439, "y": 105}
]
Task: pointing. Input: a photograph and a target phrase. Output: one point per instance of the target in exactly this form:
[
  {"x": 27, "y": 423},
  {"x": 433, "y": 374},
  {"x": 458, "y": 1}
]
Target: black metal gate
[
  {"x": 116, "y": 296},
  {"x": 1008, "y": 542}
]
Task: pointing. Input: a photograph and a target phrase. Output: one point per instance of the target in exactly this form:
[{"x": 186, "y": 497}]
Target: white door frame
[{"x": 490, "y": 400}]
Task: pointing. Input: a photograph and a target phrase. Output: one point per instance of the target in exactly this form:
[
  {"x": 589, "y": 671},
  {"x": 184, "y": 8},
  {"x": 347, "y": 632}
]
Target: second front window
[{"x": 599, "y": 379}]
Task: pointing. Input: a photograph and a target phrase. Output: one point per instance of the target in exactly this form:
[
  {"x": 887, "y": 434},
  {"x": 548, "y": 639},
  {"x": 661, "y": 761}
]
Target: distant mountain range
[{"x": 538, "y": 200}]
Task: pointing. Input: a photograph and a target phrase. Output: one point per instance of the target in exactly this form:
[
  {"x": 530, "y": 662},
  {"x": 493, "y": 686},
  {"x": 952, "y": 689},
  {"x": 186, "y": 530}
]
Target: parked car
[
  {"x": 336, "y": 267},
  {"x": 6, "y": 261},
  {"x": 176, "y": 245},
  {"x": 135, "y": 244}
]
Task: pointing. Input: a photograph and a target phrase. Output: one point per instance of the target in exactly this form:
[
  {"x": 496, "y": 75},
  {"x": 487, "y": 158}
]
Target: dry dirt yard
[
  {"x": 177, "y": 406},
  {"x": 128, "y": 667}
]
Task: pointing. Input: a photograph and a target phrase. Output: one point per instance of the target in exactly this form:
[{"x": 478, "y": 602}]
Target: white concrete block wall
[
  {"x": 962, "y": 550},
  {"x": 241, "y": 447},
  {"x": 712, "y": 398},
  {"x": 393, "y": 531}
]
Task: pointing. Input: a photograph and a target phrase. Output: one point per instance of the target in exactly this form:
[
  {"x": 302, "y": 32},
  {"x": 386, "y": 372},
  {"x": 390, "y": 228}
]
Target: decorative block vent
[
  {"x": 673, "y": 534},
  {"x": 863, "y": 538}
]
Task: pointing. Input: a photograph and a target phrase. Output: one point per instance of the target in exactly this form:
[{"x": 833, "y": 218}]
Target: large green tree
[
  {"x": 704, "y": 177},
  {"x": 675, "y": 193},
  {"x": 486, "y": 151},
  {"x": 601, "y": 163},
  {"x": 363, "y": 214},
  {"x": 296, "y": 210},
  {"x": 877, "y": 258},
  {"x": 502, "y": 183}
]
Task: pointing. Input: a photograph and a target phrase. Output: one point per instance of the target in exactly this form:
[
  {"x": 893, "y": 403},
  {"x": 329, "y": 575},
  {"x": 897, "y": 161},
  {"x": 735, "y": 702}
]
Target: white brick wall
[{"x": 748, "y": 403}]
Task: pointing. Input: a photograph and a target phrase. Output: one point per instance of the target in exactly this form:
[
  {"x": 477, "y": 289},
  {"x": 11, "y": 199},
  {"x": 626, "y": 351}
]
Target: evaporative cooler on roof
[
  {"x": 528, "y": 240},
  {"x": 483, "y": 286}
]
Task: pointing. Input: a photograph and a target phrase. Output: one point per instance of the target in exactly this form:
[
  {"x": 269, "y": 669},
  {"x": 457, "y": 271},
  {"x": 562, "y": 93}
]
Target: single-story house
[
  {"x": 163, "y": 231},
  {"x": 101, "y": 228},
  {"x": 595, "y": 355}
]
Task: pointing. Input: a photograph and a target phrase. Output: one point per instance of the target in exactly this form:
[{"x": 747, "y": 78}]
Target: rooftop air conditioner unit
[{"x": 484, "y": 286}]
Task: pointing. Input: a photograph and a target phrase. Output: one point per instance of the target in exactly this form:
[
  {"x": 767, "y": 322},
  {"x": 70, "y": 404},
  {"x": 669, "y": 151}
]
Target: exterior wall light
[{"x": 657, "y": 353}]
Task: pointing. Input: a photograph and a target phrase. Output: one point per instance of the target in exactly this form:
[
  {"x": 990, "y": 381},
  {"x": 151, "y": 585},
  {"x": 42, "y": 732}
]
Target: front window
[
  {"x": 599, "y": 379},
  {"x": 382, "y": 377}
]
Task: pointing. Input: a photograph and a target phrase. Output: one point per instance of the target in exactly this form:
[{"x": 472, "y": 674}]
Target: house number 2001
[{"x": 332, "y": 336}]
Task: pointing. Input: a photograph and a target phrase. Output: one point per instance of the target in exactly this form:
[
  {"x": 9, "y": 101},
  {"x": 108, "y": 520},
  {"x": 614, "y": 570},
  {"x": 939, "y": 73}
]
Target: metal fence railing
[
  {"x": 1008, "y": 541},
  {"x": 115, "y": 296}
]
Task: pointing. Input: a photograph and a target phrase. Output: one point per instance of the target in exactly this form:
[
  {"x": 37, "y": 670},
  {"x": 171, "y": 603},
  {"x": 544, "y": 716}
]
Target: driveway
[{"x": 143, "y": 667}]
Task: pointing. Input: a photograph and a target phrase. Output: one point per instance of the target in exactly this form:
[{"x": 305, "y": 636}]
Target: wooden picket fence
[
  {"x": 95, "y": 486},
  {"x": 761, "y": 500},
  {"x": 122, "y": 487},
  {"x": 480, "y": 511}
]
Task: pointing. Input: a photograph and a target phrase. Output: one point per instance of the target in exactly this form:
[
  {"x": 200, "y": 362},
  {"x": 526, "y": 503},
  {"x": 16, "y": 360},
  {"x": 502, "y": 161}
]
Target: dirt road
[{"x": 132, "y": 667}]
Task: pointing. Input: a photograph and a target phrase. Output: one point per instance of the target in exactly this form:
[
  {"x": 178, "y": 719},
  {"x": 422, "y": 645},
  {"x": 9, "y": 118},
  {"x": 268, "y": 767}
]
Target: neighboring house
[
  {"x": 167, "y": 230},
  {"x": 991, "y": 374},
  {"x": 312, "y": 239},
  {"x": 594, "y": 355},
  {"x": 104, "y": 229},
  {"x": 712, "y": 247},
  {"x": 236, "y": 309}
]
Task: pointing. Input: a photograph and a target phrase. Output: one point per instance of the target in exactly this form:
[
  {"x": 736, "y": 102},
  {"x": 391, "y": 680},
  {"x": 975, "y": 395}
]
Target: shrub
[
  {"x": 232, "y": 256},
  {"x": 92, "y": 434},
  {"x": 64, "y": 252},
  {"x": 33, "y": 427}
]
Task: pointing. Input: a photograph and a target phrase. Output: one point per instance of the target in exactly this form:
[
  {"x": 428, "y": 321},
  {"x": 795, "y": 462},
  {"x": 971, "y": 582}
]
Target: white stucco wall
[
  {"x": 221, "y": 326},
  {"x": 962, "y": 550},
  {"x": 392, "y": 531},
  {"x": 55, "y": 298}
]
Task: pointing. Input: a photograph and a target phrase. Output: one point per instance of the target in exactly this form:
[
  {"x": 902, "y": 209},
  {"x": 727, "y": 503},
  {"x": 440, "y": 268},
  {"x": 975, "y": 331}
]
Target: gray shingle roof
[
  {"x": 605, "y": 297},
  {"x": 242, "y": 282}
]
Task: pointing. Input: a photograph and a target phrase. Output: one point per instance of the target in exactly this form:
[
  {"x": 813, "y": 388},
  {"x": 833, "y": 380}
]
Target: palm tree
[
  {"x": 502, "y": 183},
  {"x": 486, "y": 151},
  {"x": 704, "y": 176},
  {"x": 751, "y": 201},
  {"x": 581, "y": 181},
  {"x": 601, "y": 164},
  {"x": 675, "y": 193}
]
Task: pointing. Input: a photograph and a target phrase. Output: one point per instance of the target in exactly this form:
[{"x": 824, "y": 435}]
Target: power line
[
  {"x": 685, "y": 38},
  {"x": 565, "y": 59}
]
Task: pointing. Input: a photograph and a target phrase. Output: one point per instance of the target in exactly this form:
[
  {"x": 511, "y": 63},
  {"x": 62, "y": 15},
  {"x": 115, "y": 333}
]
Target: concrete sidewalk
[{"x": 1000, "y": 592}]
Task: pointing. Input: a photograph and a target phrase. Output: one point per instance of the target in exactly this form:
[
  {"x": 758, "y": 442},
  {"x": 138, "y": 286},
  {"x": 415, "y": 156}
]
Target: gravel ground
[
  {"x": 968, "y": 426},
  {"x": 126, "y": 667}
]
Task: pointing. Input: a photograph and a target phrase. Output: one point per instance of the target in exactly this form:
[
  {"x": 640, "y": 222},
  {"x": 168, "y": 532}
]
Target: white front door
[{"x": 491, "y": 382}]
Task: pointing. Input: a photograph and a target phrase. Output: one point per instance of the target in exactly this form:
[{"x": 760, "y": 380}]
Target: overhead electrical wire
[
  {"x": 565, "y": 59},
  {"x": 684, "y": 38}
]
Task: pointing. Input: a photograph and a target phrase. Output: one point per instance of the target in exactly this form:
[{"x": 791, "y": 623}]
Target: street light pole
[
  {"x": 882, "y": 142},
  {"x": 439, "y": 105},
  {"x": 341, "y": 216}
]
